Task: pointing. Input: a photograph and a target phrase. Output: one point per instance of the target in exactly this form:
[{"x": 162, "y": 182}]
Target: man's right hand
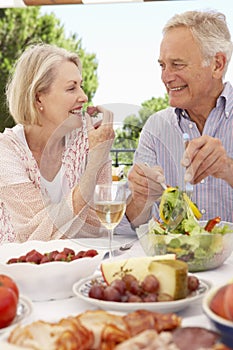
[{"x": 145, "y": 185}]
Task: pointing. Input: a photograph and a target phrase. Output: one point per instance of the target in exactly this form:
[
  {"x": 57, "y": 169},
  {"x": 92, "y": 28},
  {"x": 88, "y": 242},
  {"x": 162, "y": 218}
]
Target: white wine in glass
[{"x": 110, "y": 204}]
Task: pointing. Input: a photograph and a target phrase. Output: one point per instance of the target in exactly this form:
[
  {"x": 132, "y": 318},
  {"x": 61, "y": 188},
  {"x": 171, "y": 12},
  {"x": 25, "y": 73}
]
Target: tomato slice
[{"x": 211, "y": 223}]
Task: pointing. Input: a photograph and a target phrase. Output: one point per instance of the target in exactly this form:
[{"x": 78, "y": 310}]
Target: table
[
  {"x": 192, "y": 316},
  {"x": 54, "y": 310}
]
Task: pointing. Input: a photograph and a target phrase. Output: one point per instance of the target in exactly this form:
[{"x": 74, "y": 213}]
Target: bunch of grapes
[{"x": 129, "y": 289}]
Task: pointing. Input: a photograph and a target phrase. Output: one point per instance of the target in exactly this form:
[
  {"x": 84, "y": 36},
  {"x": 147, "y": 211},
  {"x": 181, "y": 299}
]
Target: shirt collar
[
  {"x": 224, "y": 100},
  {"x": 181, "y": 113}
]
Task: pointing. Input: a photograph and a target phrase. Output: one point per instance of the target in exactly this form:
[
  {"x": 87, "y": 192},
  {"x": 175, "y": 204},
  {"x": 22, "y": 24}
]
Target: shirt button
[
  {"x": 190, "y": 126},
  {"x": 227, "y": 114},
  {"x": 203, "y": 211},
  {"x": 202, "y": 181}
]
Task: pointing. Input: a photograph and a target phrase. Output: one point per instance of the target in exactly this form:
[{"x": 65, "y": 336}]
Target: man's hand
[
  {"x": 145, "y": 185},
  {"x": 206, "y": 156},
  {"x": 145, "y": 182}
]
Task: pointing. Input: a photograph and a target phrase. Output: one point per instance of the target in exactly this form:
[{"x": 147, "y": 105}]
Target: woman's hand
[
  {"x": 101, "y": 134},
  {"x": 100, "y": 137}
]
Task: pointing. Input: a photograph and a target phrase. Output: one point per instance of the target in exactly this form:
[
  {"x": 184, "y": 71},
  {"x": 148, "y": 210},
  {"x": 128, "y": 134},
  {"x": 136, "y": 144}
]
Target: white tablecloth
[
  {"x": 192, "y": 315},
  {"x": 54, "y": 310}
]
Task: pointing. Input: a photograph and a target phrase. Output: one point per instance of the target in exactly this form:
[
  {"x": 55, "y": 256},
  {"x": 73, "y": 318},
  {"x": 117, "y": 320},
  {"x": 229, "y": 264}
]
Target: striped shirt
[{"x": 161, "y": 144}]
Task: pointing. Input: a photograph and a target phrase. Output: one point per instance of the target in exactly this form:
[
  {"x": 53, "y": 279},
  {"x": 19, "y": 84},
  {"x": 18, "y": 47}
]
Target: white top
[{"x": 54, "y": 188}]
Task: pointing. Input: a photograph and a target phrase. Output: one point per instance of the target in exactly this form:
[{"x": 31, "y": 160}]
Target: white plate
[
  {"x": 24, "y": 309},
  {"x": 81, "y": 290}
]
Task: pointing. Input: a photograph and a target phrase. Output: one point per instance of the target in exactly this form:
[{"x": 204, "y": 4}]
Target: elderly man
[{"x": 194, "y": 55}]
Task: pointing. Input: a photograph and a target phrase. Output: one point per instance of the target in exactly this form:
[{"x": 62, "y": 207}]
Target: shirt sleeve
[{"x": 146, "y": 153}]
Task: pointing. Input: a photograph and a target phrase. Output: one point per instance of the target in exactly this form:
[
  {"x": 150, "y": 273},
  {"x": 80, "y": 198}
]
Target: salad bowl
[
  {"x": 202, "y": 250},
  {"x": 203, "y": 245}
]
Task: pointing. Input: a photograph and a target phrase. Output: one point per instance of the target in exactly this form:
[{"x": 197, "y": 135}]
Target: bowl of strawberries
[{"x": 48, "y": 270}]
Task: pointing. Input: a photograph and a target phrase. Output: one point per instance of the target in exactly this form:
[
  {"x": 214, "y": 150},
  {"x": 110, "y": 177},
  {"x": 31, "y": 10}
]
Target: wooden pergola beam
[
  {"x": 24, "y": 3},
  {"x": 51, "y": 2},
  {"x": 60, "y": 2}
]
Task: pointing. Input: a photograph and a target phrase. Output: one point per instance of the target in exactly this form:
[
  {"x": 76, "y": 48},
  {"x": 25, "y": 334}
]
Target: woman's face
[
  {"x": 189, "y": 84},
  {"x": 65, "y": 98}
]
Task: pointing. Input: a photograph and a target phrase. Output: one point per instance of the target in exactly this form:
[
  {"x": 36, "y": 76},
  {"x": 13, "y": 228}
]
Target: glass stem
[{"x": 110, "y": 237}]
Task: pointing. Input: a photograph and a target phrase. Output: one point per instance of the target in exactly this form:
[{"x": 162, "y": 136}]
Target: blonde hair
[
  {"x": 209, "y": 29},
  {"x": 34, "y": 72}
]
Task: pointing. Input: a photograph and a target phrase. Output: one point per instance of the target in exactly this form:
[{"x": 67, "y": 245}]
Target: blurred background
[{"x": 119, "y": 47}]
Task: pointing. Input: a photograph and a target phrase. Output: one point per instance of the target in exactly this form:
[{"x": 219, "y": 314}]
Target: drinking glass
[{"x": 110, "y": 204}]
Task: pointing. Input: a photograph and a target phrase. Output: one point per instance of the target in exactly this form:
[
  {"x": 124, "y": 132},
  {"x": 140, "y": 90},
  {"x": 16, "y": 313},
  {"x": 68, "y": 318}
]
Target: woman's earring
[{"x": 41, "y": 108}]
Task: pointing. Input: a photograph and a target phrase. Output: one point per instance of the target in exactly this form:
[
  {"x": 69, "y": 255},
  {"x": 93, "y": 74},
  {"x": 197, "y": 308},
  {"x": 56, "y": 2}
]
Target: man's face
[{"x": 187, "y": 81}]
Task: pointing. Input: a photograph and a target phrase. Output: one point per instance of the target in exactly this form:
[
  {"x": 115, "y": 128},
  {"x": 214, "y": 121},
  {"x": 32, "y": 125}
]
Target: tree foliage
[
  {"x": 156, "y": 104},
  {"x": 21, "y": 27},
  {"x": 127, "y": 137}
]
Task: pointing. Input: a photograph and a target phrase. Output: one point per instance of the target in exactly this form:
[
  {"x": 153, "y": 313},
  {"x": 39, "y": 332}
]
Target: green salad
[
  {"x": 175, "y": 200},
  {"x": 189, "y": 226},
  {"x": 201, "y": 244}
]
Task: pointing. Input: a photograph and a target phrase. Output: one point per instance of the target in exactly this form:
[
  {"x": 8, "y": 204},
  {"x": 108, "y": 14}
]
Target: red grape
[
  {"x": 193, "y": 283},
  {"x": 111, "y": 294},
  {"x": 134, "y": 298},
  {"x": 149, "y": 298},
  {"x": 119, "y": 285},
  {"x": 150, "y": 284},
  {"x": 134, "y": 287},
  {"x": 97, "y": 291},
  {"x": 128, "y": 279}
]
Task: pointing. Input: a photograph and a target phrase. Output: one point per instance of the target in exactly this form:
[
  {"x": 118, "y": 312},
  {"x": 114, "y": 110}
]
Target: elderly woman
[{"x": 54, "y": 156}]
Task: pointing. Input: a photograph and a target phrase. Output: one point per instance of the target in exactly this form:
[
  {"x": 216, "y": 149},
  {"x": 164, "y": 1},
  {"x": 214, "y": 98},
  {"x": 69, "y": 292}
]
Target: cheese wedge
[
  {"x": 172, "y": 276},
  {"x": 138, "y": 267}
]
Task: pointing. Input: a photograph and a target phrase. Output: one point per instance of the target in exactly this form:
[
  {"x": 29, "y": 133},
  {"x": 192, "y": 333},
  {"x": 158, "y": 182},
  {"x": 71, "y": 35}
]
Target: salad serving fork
[
  {"x": 188, "y": 185},
  {"x": 178, "y": 212}
]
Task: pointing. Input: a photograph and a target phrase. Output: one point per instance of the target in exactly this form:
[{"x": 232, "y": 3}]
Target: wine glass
[{"x": 110, "y": 204}]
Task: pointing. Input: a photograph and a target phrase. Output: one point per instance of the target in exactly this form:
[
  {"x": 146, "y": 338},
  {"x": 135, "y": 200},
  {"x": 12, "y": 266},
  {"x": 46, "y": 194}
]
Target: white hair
[{"x": 209, "y": 29}]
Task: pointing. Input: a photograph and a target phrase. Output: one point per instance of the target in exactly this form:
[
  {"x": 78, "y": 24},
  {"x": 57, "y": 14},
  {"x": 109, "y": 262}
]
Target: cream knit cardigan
[{"x": 26, "y": 211}]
